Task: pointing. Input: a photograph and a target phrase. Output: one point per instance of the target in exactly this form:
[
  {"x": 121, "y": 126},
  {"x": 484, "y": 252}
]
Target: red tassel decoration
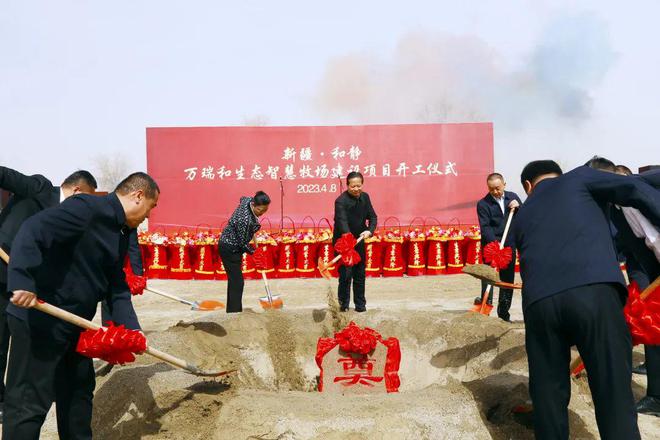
[{"x": 643, "y": 316}]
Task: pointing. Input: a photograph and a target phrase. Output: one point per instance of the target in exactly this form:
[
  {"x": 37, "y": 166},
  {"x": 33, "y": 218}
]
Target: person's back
[{"x": 562, "y": 233}]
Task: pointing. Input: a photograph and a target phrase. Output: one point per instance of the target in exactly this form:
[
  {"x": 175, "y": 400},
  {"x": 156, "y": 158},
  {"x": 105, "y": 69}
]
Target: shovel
[
  {"x": 199, "y": 306},
  {"x": 323, "y": 267},
  {"x": 172, "y": 360},
  {"x": 485, "y": 308},
  {"x": 270, "y": 301},
  {"x": 88, "y": 325}
]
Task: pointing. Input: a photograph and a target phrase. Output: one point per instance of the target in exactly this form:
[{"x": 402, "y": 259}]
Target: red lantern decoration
[{"x": 325, "y": 250}]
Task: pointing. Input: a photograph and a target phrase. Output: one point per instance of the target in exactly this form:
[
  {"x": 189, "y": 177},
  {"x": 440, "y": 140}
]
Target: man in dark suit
[
  {"x": 492, "y": 212},
  {"x": 574, "y": 291},
  {"x": 642, "y": 267},
  {"x": 72, "y": 257},
  {"x": 353, "y": 209},
  {"x": 31, "y": 194}
]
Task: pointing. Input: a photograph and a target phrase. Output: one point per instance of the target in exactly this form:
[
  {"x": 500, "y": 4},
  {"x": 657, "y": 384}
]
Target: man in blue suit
[
  {"x": 574, "y": 292},
  {"x": 492, "y": 212}
]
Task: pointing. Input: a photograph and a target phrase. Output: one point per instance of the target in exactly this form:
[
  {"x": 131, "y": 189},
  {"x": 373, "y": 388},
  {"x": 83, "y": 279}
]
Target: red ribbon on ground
[
  {"x": 643, "y": 316},
  {"x": 496, "y": 257},
  {"x": 345, "y": 246},
  {"x": 113, "y": 344}
]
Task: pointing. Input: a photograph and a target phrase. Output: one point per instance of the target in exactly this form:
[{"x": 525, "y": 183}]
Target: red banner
[{"x": 434, "y": 170}]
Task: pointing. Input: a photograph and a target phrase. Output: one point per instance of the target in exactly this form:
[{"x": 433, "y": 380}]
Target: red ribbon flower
[
  {"x": 353, "y": 339},
  {"x": 643, "y": 316},
  {"x": 113, "y": 344},
  {"x": 345, "y": 246},
  {"x": 496, "y": 257}
]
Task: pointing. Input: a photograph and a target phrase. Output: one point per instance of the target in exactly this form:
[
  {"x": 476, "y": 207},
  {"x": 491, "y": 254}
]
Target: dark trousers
[
  {"x": 652, "y": 353},
  {"x": 43, "y": 371},
  {"x": 591, "y": 318},
  {"x": 356, "y": 275},
  {"x": 232, "y": 261},
  {"x": 4, "y": 338},
  {"x": 506, "y": 295}
]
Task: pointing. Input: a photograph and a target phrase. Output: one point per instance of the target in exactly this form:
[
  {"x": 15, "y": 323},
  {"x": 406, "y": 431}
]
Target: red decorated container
[
  {"x": 416, "y": 256},
  {"x": 325, "y": 250},
  {"x": 373, "y": 252},
  {"x": 306, "y": 248},
  {"x": 180, "y": 259},
  {"x": 473, "y": 254},
  {"x": 455, "y": 255},
  {"x": 157, "y": 261},
  {"x": 393, "y": 262}
]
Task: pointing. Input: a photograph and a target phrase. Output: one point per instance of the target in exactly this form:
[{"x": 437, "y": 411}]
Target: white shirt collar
[
  {"x": 500, "y": 202},
  {"x": 62, "y": 196}
]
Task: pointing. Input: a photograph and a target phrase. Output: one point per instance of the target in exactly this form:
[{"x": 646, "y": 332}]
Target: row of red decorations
[{"x": 388, "y": 254}]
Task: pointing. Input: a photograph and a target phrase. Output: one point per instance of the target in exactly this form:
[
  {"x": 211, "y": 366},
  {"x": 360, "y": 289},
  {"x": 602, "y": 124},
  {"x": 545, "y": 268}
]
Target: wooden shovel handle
[
  {"x": 170, "y": 296},
  {"x": 89, "y": 325}
]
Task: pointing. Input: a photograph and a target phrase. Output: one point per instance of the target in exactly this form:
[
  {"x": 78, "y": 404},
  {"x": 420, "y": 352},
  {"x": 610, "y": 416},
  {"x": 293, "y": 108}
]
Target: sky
[{"x": 563, "y": 80}]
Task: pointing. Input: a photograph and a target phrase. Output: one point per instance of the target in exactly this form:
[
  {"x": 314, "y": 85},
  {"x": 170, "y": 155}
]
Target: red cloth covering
[
  {"x": 345, "y": 246},
  {"x": 113, "y": 344},
  {"x": 496, "y": 257},
  {"x": 353, "y": 339},
  {"x": 643, "y": 316}
]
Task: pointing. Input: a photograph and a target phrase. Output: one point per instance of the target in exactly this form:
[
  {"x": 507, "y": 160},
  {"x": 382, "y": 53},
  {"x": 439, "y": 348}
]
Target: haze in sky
[{"x": 559, "y": 79}]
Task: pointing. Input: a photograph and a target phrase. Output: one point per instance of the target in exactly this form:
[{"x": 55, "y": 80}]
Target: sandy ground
[{"x": 461, "y": 373}]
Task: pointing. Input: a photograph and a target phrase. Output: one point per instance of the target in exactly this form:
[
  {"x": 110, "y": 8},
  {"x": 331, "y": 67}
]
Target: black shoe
[
  {"x": 649, "y": 405},
  {"x": 361, "y": 309},
  {"x": 640, "y": 369},
  {"x": 505, "y": 318},
  {"x": 477, "y": 301},
  {"x": 343, "y": 309}
]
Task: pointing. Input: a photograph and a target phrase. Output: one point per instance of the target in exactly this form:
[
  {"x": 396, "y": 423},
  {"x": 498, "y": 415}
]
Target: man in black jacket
[
  {"x": 493, "y": 211},
  {"x": 31, "y": 194},
  {"x": 573, "y": 293},
  {"x": 353, "y": 210},
  {"x": 70, "y": 256}
]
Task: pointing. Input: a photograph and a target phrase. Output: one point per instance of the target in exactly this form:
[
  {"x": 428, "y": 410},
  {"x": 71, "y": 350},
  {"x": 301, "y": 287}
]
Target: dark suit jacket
[
  {"x": 31, "y": 194},
  {"x": 491, "y": 219},
  {"x": 72, "y": 256},
  {"x": 352, "y": 214},
  {"x": 563, "y": 232}
]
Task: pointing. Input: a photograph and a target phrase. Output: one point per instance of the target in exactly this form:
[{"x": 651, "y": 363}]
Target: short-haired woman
[{"x": 235, "y": 240}]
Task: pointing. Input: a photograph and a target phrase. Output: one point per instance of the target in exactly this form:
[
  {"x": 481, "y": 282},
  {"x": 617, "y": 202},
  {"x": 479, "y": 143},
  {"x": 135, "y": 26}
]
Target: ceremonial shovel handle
[
  {"x": 167, "y": 295},
  {"x": 89, "y": 325},
  {"x": 490, "y": 286}
]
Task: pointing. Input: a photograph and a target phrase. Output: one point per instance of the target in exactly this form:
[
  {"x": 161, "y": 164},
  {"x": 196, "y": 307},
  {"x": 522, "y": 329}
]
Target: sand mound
[{"x": 446, "y": 361}]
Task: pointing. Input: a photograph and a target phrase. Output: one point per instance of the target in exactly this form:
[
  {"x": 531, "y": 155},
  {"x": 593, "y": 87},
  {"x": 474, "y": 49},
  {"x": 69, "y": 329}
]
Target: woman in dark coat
[{"x": 235, "y": 240}]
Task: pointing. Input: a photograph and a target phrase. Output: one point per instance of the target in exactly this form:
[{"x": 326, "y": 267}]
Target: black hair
[
  {"x": 600, "y": 163},
  {"x": 260, "y": 199},
  {"x": 353, "y": 175},
  {"x": 493, "y": 176},
  {"x": 80, "y": 176},
  {"x": 623, "y": 169},
  {"x": 537, "y": 168},
  {"x": 139, "y": 181}
]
